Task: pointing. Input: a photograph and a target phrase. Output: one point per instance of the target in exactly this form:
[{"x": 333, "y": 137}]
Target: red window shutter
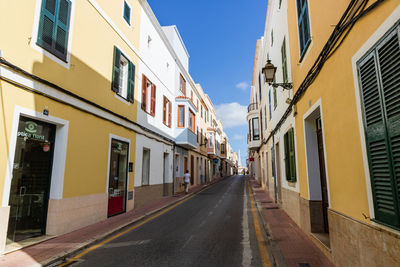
[
  {"x": 144, "y": 92},
  {"x": 165, "y": 110},
  {"x": 153, "y": 100},
  {"x": 169, "y": 113}
]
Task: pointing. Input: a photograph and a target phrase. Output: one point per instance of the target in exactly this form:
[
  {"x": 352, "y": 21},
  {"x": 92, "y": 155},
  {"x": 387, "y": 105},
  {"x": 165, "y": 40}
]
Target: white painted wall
[
  {"x": 157, "y": 150},
  {"x": 176, "y": 41}
]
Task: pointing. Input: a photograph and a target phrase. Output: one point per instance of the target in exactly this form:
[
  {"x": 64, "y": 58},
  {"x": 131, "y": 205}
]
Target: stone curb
[
  {"x": 278, "y": 258},
  {"x": 60, "y": 258}
]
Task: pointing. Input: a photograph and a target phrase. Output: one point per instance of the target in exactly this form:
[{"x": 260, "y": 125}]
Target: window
[
  {"x": 127, "y": 13},
  {"x": 210, "y": 141},
  {"x": 280, "y": 4},
  {"x": 223, "y": 148},
  {"x": 192, "y": 121},
  {"x": 191, "y": 96},
  {"x": 304, "y": 26},
  {"x": 272, "y": 37},
  {"x": 275, "y": 99},
  {"x": 290, "y": 159},
  {"x": 167, "y": 112},
  {"x": 146, "y": 167},
  {"x": 182, "y": 85},
  {"x": 54, "y": 27},
  {"x": 284, "y": 62},
  {"x": 249, "y": 136},
  {"x": 259, "y": 85},
  {"x": 201, "y": 137},
  {"x": 379, "y": 79},
  {"x": 148, "y": 98},
  {"x": 201, "y": 111},
  {"x": 256, "y": 129},
  {"x": 181, "y": 116},
  {"x": 269, "y": 103},
  {"x": 123, "y": 80}
]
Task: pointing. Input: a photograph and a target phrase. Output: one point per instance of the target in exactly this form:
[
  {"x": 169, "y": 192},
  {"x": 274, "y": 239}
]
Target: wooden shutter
[
  {"x": 47, "y": 23},
  {"x": 144, "y": 92},
  {"x": 169, "y": 113},
  {"x": 286, "y": 148},
  {"x": 62, "y": 29},
  {"x": 284, "y": 62},
  {"x": 153, "y": 100},
  {"x": 382, "y": 137},
  {"x": 131, "y": 82},
  {"x": 292, "y": 156},
  {"x": 116, "y": 70},
  {"x": 165, "y": 110}
]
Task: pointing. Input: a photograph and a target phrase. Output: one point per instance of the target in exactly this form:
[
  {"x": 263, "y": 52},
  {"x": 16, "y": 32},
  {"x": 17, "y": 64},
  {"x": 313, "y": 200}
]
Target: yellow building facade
[
  {"x": 67, "y": 113},
  {"x": 349, "y": 199}
]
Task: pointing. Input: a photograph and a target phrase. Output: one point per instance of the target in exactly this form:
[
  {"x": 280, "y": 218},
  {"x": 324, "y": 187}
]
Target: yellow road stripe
[
  {"x": 129, "y": 230},
  {"x": 260, "y": 238}
]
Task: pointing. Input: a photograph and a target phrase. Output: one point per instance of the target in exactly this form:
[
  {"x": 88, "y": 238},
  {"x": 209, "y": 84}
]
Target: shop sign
[
  {"x": 46, "y": 148},
  {"x": 30, "y": 131}
]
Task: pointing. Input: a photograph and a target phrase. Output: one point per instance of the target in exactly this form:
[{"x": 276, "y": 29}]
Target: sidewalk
[
  {"x": 290, "y": 245},
  {"x": 59, "y": 247}
]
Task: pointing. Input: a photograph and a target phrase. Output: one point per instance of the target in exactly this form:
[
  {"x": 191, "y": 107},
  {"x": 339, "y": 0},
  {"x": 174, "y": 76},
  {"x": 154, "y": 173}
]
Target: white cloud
[
  {"x": 242, "y": 86},
  {"x": 238, "y": 137},
  {"x": 231, "y": 114}
]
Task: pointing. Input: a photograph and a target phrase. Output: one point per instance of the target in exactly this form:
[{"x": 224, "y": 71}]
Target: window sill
[
  {"x": 169, "y": 126},
  {"x": 145, "y": 111},
  {"x": 122, "y": 99},
  {"x": 52, "y": 52}
]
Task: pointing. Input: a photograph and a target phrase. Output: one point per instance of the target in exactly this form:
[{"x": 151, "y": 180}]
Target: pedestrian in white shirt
[{"x": 186, "y": 177}]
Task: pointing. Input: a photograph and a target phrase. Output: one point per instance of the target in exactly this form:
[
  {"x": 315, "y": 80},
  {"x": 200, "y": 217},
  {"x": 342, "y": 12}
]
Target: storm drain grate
[{"x": 304, "y": 265}]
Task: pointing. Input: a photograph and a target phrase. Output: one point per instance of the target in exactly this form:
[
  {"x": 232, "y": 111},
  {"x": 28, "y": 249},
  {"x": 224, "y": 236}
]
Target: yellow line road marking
[
  {"x": 260, "y": 238},
  {"x": 83, "y": 253}
]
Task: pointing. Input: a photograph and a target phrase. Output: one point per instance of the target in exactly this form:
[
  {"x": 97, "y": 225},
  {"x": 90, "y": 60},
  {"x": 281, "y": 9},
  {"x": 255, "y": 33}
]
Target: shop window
[
  {"x": 290, "y": 159},
  {"x": 54, "y": 27},
  {"x": 146, "y": 167},
  {"x": 148, "y": 96},
  {"x": 303, "y": 25},
  {"x": 123, "y": 82},
  {"x": 181, "y": 116},
  {"x": 379, "y": 79}
]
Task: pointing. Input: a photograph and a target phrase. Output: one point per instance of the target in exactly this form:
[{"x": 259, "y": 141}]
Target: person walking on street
[{"x": 186, "y": 177}]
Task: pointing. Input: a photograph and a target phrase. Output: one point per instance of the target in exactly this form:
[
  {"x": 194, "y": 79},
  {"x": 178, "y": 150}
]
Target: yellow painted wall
[
  {"x": 88, "y": 76},
  {"x": 335, "y": 87},
  {"x": 93, "y": 41},
  {"x": 88, "y": 142}
]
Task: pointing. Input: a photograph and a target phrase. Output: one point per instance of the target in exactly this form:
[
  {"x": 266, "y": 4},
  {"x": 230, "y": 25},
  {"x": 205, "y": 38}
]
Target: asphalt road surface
[{"x": 213, "y": 228}]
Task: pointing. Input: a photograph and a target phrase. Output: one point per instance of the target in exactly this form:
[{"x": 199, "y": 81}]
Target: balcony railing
[{"x": 252, "y": 106}]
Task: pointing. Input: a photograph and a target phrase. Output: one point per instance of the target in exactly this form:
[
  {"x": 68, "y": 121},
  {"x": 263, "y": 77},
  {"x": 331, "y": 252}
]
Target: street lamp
[{"x": 269, "y": 71}]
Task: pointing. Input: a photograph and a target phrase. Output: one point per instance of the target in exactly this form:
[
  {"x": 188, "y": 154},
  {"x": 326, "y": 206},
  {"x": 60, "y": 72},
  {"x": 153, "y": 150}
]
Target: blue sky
[{"x": 221, "y": 38}]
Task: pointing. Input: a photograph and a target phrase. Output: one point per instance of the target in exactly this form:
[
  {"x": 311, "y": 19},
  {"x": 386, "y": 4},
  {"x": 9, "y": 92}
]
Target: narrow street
[{"x": 213, "y": 228}]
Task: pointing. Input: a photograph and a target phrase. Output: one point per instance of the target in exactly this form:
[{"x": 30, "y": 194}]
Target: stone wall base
[
  {"x": 69, "y": 214},
  {"x": 355, "y": 243},
  {"x": 291, "y": 204},
  {"x": 148, "y": 194}
]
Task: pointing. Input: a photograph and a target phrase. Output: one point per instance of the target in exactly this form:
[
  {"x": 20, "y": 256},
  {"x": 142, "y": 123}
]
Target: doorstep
[{"x": 11, "y": 247}]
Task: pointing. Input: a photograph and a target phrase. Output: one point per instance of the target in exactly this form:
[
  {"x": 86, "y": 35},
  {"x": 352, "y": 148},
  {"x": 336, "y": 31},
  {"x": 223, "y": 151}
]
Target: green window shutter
[
  {"x": 54, "y": 27},
  {"x": 116, "y": 70},
  {"x": 131, "y": 82},
  {"x": 61, "y": 37},
  {"x": 381, "y": 137},
  {"x": 287, "y": 158},
  {"x": 47, "y": 24},
  {"x": 284, "y": 62},
  {"x": 388, "y": 57},
  {"x": 292, "y": 156}
]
